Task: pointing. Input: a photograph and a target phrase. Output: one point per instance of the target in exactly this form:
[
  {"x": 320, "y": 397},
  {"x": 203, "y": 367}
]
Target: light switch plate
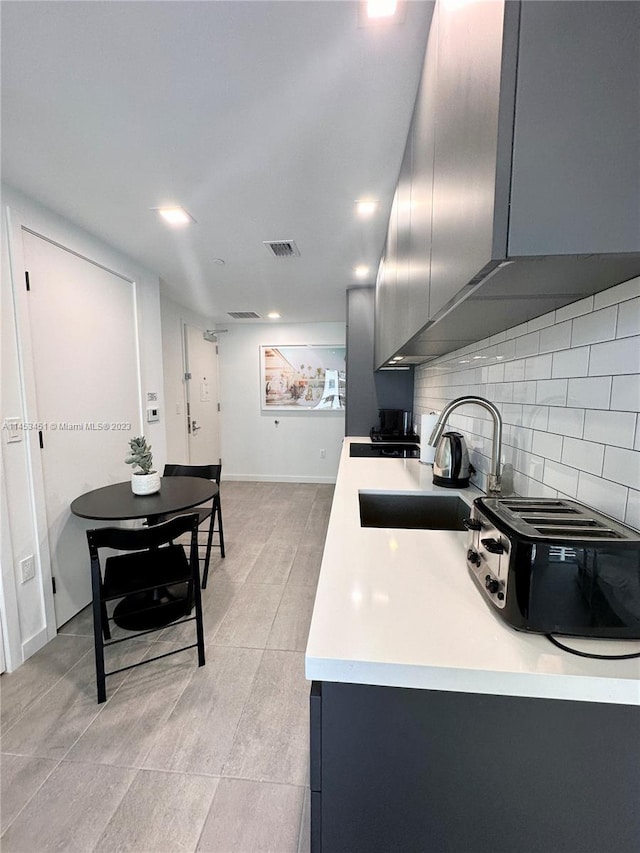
[{"x": 11, "y": 430}]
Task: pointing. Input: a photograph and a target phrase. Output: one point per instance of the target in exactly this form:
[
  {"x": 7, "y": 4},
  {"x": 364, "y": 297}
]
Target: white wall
[
  {"x": 568, "y": 387},
  {"x": 253, "y": 446},
  {"x": 174, "y": 317},
  {"x": 27, "y": 608}
]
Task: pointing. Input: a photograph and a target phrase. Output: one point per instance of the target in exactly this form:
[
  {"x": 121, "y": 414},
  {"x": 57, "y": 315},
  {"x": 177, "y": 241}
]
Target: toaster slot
[
  {"x": 580, "y": 521},
  {"x": 557, "y": 531},
  {"x": 547, "y": 509}
]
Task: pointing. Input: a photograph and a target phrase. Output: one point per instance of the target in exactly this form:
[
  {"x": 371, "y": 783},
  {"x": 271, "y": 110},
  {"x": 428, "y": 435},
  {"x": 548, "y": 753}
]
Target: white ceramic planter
[{"x": 145, "y": 484}]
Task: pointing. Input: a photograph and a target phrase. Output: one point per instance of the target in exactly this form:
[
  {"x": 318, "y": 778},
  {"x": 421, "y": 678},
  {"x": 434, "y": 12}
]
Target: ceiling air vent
[
  {"x": 282, "y": 248},
  {"x": 244, "y": 315}
]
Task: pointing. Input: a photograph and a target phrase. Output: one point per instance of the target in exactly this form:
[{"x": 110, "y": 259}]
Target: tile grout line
[
  {"x": 19, "y": 812},
  {"x": 46, "y": 692}
]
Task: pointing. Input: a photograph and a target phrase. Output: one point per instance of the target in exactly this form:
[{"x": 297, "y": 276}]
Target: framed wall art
[{"x": 302, "y": 378}]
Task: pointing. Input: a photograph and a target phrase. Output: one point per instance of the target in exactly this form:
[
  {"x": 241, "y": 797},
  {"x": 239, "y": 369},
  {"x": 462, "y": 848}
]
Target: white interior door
[
  {"x": 203, "y": 426},
  {"x": 86, "y": 368}
]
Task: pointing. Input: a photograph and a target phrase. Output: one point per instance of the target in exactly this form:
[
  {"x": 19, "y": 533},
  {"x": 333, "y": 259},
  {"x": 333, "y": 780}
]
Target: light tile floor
[{"x": 179, "y": 758}]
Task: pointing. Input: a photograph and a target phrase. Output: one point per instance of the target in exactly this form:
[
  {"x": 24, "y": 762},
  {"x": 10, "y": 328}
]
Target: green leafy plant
[{"x": 140, "y": 455}]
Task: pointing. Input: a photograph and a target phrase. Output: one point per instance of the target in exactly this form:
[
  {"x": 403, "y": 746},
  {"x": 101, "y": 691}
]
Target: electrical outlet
[
  {"x": 27, "y": 568},
  {"x": 323, "y": 454}
]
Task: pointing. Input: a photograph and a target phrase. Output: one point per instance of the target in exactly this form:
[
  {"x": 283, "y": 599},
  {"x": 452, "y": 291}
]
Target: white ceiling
[{"x": 266, "y": 120}]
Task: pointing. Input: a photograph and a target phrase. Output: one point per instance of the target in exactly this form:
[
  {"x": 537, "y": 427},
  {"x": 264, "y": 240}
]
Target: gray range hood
[{"x": 512, "y": 293}]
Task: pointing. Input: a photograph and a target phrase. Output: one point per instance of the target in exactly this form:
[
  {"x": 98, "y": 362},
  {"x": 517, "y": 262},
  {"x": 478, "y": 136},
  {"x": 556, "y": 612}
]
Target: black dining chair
[
  {"x": 153, "y": 581},
  {"x": 209, "y": 511}
]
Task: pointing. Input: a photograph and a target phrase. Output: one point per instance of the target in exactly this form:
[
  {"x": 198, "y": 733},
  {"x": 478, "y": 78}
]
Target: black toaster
[{"x": 554, "y": 566}]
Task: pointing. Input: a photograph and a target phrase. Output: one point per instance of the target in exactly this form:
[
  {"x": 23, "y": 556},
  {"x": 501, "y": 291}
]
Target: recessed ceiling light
[
  {"x": 175, "y": 215},
  {"x": 381, "y": 8},
  {"x": 381, "y": 13},
  {"x": 397, "y": 358},
  {"x": 273, "y": 315},
  {"x": 361, "y": 271},
  {"x": 366, "y": 207}
]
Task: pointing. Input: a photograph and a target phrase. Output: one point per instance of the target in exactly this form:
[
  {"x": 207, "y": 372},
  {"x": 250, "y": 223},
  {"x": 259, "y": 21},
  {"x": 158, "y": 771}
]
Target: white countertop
[{"x": 398, "y": 608}]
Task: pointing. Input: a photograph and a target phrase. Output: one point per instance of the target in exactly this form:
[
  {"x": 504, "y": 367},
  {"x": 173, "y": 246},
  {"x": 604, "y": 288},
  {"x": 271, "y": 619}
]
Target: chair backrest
[
  {"x": 208, "y": 472},
  {"x": 143, "y": 538}
]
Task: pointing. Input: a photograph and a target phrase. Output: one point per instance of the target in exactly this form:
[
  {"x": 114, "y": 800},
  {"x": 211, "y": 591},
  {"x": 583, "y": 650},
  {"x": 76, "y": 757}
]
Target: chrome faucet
[{"x": 494, "y": 477}]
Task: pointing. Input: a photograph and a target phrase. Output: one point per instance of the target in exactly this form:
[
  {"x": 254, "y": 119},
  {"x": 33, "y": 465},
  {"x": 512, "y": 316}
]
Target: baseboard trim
[
  {"x": 34, "y": 644},
  {"x": 283, "y": 478}
]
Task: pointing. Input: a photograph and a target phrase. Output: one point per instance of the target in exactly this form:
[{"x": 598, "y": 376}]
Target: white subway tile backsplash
[
  {"x": 552, "y": 392},
  {"x": 517, "y": 437},
  {"x": 535, "y": 417},
  {"x": 506, "y": 350},
  {"x": 556, "y": 337},
  {"x": 592, "y": 392},
  {"x": 584, "y": 455},
  {"x": 619, "y": 293},
  {"x": 541, "y": 322},
  {"x": 514, "y": 371},
  {"x": 548, "y": 445},
  {"x": 496, "y": 373},
  {"x": 504, "y": 392},
  {"x": 517, "y": 331},
  {"x": 615, "y": 357},
  {"x": 528, "y": 488},
  {"x": 615, "y": 428},
  {"x": 570, "y": 362},
  {"x": 608, "y": 497},
  {"x": 524, "y": 392},
  {"x": 543, "y": 375},
  {"x": 528, "y": 345},
  {"x": 538, "y": 367},
  {"x": 629, "y": 318},
  {"x": 632, "y": 515},
  {"x": 592, "y": 328},
  {"x": 561, "y": 477},
  {"x": 622, "y": 466},
  {"x": 625, "y": 393},
  {"x": 528, "y": 464},
  {"x": 574, "y": 309},
  {"x": 566, "y": 421},
  {"x": 512, "y": 413}
]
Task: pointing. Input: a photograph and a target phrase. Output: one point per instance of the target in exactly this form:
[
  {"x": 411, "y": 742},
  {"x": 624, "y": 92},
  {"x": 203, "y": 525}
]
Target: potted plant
[{"x": 146, "y": 481}]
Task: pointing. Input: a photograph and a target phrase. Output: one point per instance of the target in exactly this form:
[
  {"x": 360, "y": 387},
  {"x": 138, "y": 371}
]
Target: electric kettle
[{"x": 451, "y": 463}]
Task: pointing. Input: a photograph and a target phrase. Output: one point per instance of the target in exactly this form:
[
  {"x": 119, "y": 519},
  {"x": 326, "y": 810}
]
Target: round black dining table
[{"x": 118, "y": 503}]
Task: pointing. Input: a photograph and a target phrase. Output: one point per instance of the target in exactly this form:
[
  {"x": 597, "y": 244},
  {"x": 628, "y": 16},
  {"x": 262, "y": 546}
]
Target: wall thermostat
[{"x": 153, "y": 414}]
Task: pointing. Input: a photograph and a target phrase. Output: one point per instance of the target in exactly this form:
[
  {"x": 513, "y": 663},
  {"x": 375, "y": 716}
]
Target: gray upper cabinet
[
  {"x": 470, "y": 40},
  {"x": 524, "y": 170},
  {"x": 403, "y": 245},
  {"x": 423, "y": 130},
  {"x": 576, "y": 148},
  {"x": 387, "y": 337}
]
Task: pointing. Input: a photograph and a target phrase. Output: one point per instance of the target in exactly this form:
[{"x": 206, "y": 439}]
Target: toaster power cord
[{"x": 564, "y": 648}]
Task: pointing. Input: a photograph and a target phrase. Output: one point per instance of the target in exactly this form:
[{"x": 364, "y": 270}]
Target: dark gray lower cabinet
[{"x": 394, "y": 769}]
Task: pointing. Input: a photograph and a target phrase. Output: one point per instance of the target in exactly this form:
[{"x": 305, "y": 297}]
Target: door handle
[{"x": 194, "y": 426}]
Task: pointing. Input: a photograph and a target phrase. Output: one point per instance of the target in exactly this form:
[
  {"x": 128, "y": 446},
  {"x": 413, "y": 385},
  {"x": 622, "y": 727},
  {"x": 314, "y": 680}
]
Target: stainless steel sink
[{"x": 428, "y": 512}]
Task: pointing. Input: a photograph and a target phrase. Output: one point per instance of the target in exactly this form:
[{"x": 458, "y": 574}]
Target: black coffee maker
[{"x": 395, "y": 425}]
